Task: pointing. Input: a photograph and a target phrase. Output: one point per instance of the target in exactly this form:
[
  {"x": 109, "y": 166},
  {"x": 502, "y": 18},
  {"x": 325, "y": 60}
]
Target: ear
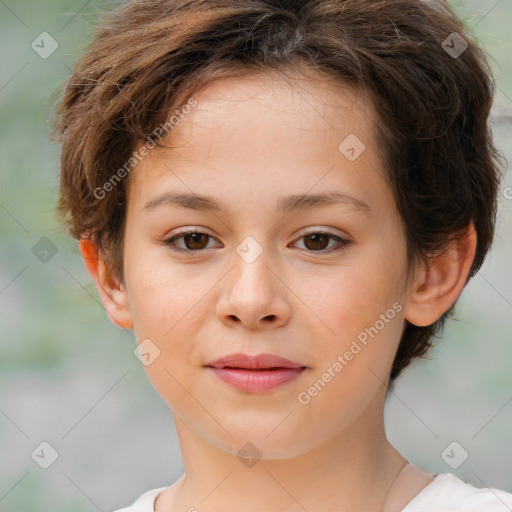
[
  {"x": 113, "y": 295},
  {"x": 436, "y": 287}
]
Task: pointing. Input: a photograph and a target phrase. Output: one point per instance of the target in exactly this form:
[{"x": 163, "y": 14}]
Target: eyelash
[{"x": 343, "y": 243}]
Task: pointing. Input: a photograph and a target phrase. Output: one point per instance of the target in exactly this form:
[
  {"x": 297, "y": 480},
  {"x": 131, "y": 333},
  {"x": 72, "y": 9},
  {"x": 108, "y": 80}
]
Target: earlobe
[
  {"x": 113, "y": 295},
  {"x": 438, "y": 285}
]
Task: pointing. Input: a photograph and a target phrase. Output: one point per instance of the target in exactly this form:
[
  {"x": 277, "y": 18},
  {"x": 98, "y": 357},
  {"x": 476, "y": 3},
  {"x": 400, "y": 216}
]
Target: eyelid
[{"x": 325, "y": 231}]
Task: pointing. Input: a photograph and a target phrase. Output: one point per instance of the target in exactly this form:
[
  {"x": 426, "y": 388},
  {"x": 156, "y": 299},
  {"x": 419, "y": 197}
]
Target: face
[{"x": 318, "y": 282}]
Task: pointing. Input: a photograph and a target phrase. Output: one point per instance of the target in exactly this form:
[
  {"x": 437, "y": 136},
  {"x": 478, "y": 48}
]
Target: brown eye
[
  {"x": 194, "y": 241},
  {"x": 318, "y": 241}
]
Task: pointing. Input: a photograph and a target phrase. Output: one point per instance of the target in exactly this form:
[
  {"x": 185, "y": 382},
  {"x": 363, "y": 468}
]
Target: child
[{"x": 334, "y": 155}]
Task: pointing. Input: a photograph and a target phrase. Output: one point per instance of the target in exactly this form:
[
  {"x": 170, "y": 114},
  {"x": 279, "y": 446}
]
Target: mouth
[
  {"x": 255, "y": 374},
  {"x": 260, "y": 362}
]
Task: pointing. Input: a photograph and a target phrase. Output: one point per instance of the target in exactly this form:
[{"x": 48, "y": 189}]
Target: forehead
[
  {"x": 260, "y": 131},
  {"x": 309, "y": 96},
  {"x": 278, "y": 102}
]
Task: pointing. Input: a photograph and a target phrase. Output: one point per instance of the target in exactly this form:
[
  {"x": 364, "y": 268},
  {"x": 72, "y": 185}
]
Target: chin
[{"x": 264, "y": 440}]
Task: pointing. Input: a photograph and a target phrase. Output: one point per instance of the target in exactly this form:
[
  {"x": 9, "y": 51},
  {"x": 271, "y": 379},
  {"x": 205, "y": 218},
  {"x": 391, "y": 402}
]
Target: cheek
[
  {"x": 157, "y": 289},
  {"x": 353, "y": 300},
  {"x": 359, "y": 316},
  {"x": 354, "y": 353},
  {"x": 170, "y": 305},
  {"x": 166, "y": 311}
]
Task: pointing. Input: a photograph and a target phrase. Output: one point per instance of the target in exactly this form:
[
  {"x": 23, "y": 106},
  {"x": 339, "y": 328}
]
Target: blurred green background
[{"x": 69, "y": 377}]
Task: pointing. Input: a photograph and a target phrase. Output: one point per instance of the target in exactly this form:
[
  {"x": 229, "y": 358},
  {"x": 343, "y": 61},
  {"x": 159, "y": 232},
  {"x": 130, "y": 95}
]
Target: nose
[{"x": 254, "y": 296}]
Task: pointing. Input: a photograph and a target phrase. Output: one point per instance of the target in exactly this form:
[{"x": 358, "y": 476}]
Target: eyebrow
[{"x": 285, "y": 204}]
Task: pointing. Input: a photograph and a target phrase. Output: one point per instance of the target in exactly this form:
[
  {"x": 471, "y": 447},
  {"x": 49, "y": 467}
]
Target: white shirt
[{"x": 446, "y": 493}]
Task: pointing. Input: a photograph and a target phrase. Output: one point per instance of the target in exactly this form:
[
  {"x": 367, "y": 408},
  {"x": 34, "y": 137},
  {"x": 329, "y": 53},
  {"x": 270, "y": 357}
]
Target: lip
[
  {"x": 260, "y": 362},
  {"x": 255, "y": 374}
]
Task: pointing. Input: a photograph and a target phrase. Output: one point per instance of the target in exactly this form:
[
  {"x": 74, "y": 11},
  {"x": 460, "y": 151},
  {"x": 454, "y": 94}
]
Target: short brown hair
[{"x": 147, "y": 56}]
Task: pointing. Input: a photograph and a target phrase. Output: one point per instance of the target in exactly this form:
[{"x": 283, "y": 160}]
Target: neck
[{"x": 351, "y": 471}]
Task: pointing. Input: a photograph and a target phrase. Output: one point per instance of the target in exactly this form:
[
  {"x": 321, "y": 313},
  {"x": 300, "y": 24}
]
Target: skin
[{"x": 249, "y": 141}]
